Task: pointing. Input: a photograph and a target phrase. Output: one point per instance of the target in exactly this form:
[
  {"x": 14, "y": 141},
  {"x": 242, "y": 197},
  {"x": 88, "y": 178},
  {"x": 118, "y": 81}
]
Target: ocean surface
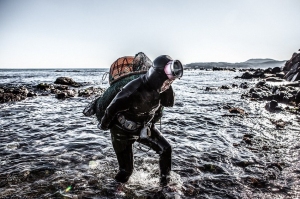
[{"x": 49, "y": 149}]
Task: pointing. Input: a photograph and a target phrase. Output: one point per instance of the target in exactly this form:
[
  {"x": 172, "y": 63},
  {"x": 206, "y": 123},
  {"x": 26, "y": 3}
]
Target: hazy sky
[{"x": 94, "y": 33}]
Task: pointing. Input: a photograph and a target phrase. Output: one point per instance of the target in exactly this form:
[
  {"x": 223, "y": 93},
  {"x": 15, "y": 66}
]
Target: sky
[{"x": 94, "y": 33}]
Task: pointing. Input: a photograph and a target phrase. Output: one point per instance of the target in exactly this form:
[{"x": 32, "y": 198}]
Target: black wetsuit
[{"x": 140, "y": 103}]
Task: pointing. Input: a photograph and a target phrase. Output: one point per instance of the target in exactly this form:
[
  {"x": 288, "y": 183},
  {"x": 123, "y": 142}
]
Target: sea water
[{"x": 49, "y": 149}]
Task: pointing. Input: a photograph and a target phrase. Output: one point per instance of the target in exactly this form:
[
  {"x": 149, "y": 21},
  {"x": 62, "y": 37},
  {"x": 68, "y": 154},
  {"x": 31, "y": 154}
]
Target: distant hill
[
  {"x": 258, "y": 61},
  {"x": 251, "y": 63}
]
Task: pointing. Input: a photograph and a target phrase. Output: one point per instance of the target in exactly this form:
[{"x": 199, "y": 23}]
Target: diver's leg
[
  {"x": 123, "y": 150},
  {"x": 159, "y": 144}
]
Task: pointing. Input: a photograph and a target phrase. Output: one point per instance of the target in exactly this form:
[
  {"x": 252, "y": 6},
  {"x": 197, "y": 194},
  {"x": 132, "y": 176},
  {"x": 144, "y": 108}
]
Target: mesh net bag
[
  {"x": 122, "y": 71},
  {"x": 129, "y": 65}
]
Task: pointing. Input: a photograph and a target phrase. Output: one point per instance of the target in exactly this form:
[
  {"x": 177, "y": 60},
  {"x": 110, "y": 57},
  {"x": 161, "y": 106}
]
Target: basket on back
[
  {"x": 122, "y": 71},
  {"x": 129, "y": 65}
]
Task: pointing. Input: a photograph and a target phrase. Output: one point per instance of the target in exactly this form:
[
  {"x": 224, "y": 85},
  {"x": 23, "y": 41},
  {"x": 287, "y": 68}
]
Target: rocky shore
[
  {"x": 62, "y": 88},
  {"x": 286, "y": 92}
]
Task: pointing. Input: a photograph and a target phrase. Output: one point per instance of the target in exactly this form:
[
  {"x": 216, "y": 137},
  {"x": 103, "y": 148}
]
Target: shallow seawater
[{"x": 48, "y": 149}]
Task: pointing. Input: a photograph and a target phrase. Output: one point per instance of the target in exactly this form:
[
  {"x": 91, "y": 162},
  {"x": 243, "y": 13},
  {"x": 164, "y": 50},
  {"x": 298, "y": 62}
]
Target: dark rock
[
  {"x": 261, "y": 83},
  {"x": 268, "y": 70},
  {"x": 61, "y": 95},
  {"x": 280, "y": 75},
  {"x": 234, "y": 86},
  {"x": 225, "y": 87},
  {"x": 90, "y": 91},
  {"x": 289, "y": 64},
  {"x": 247, "y": 75},
  {"x": 297, "y": 97},
  {"x": 13, "y": 94},
  {"x": 43, "y": 86},
  {"x": 244, "y": 85},
  {"x": 237, "y": 110},
  {"x": 258, "y": 74},
  {"x": 256, "y": 95},
  {"x": 31, "y": 94},
  {"x": 293, "y": 73},
  {"x": 273, "y": 106},
  {"x": 276, "y": 70},
  {"x": 66, "y": 94},
  {"x": 247, "y": 139},
  {"x": 66, "y": 81},
  {"x": 61, "y": 87},
  {"x": 280, "y": 124}
]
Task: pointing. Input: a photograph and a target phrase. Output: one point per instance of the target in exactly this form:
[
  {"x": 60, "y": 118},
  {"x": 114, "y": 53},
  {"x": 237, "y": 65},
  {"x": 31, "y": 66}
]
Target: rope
[{"x": 104, "y": 76}]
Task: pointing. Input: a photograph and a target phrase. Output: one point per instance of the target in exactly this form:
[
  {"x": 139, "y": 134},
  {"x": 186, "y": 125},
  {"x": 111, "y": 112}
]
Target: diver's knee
[{"x": 167, "y": 150}]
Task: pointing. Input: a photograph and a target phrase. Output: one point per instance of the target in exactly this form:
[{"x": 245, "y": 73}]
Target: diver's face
[{"x": 166, "y": 85}]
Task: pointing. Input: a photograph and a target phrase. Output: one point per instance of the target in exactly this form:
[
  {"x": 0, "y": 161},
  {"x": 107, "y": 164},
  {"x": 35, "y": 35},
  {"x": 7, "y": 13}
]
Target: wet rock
[
  {"x": 247, "y": 139},
  {"x": 244, "y": 85},
  {"x": 225, "y": 87},
  {"x": 235, "y": 86},
  {"x": 297, "y": 97},
  {"x": 247, "y": 75},
  {"x": 66, "y": 81},
  {"x": 268, "y": 70},
  {"x": 13, "y": 94},
  {"x": 90, "y": 91},
  {"x": 261, "y": 83},
  {"x": 43, "y": 86},
  {"x": 256, "y": 95},
  {"x": 280, "y": 124},
  {"x": 61, "y": 87},
  {"x": 292, "y": 68},
  {"x": 61, "y": 95},
  {"x": 259, "y": 73},
  {"x": 66, "y": 94},
  {"x": 31, "y": 94},
  {"x": 237, "y": 110},
  {"x": 273, "y": 106},
  {"x": 276, "y": 70},
  {"x": 280, "y": 75}
]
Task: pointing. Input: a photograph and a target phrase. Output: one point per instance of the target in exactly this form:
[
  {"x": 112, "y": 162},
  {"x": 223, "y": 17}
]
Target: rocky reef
[{"x": 62, "y": 88}]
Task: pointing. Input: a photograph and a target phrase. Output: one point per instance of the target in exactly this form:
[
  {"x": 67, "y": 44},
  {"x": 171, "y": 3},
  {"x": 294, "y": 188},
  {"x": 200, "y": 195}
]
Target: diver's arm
[
  {"x": 167, "y": 97},
  {"x": 120, "y": 103}
]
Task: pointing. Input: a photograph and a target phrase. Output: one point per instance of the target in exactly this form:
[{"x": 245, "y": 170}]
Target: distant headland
[{"x": 251, "y": 63}]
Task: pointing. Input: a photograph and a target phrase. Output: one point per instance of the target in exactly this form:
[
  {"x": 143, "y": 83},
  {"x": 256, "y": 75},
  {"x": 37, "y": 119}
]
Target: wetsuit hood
[{"x": 156, "y": 75}]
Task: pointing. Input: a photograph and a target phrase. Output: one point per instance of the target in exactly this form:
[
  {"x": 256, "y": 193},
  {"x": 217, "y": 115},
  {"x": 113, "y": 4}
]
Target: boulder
[
  {"x": 247, "y": 75},
  {"x": 292, "y": 68},
  {"x": 273, "y": 106},
  {"x": 66, "y": 81},
  {"x": 13, "y": 94},
  {"x": 276, "y": 70}
]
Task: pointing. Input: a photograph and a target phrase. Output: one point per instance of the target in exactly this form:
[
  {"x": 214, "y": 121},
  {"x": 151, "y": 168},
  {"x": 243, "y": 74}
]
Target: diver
[{"x": 132, "y": 114}]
